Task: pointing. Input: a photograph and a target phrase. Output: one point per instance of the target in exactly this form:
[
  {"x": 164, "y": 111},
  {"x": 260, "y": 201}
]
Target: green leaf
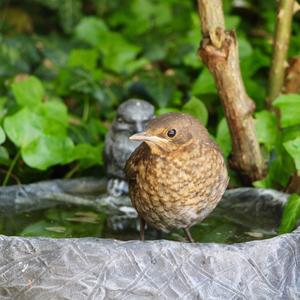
[
  {"x": 159, "y": 87},
  {"x": 197, "y": 109},
  {"x": 223, "y": 137},
  {"x": 281, "y": 167},
  {"x": 47, "y": 151},
  {"x": 23, "y": 127},
  {"x": 193, "y": 36},
  {"x": 245, "y": 48},
  {"x": 89, "y": 30},
  {"x": 3, "y": 109},
  {"x": 85, "y": 58},
  {"x": 232, "y": 22},
  {"x": 256, "y": 91},
  {"x": 289, "y": 106},
  {"x": 266, "y": 130},
  {"x": 92, "y": 155},
  {"x": 291, "y": 214},
  {"x": 27, "y": 125},
  {"x": 41, "y": 133},
  {"x": 251, "y": 64},
  {"x": 55, "y": 117},
  {"x": 2, "y": 136},
  {"x": 28, "y": 92},
  {"x": 165, "y": 110},
  {"x": 290, "y": 133},
  {"x": 204, "y": 84},
  {"x": 4, "y": 156},
  {"x": 293, "y": 148},
  {"x": 118, "y": 53}
]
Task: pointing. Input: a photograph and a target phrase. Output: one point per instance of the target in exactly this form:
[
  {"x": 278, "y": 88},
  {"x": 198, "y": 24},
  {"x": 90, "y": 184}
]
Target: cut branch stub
[{"x": 223, "y": 62}]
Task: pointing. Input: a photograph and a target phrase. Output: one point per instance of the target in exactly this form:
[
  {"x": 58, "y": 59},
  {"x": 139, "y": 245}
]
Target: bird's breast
[{"x": 180, "y": 187}]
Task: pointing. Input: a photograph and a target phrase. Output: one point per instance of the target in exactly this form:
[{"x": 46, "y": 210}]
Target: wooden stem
[
  {"x": 281, "y": 44},
  {"x": 219, "y": 51}
]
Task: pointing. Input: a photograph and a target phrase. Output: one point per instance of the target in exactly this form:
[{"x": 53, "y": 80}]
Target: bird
[
  {"x": 131, "y": 117},
  {"x": 177, "y": 175}
]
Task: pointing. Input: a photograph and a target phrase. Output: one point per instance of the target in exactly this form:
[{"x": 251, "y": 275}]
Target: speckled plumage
[{"x": 176, "y": 182}]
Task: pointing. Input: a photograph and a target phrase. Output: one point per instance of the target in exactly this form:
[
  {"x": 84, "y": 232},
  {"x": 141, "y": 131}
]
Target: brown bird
[{"x": 177, "y": 175}]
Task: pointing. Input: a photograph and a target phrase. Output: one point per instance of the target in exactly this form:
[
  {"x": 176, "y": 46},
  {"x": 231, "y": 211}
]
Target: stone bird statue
[
  {"x": 132, "y": 117},
  {"x": 177, "y": 175}
]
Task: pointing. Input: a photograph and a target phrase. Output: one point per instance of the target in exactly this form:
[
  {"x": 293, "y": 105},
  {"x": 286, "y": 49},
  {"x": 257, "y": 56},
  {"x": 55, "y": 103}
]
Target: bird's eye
[{"x": 171, "y": 133}]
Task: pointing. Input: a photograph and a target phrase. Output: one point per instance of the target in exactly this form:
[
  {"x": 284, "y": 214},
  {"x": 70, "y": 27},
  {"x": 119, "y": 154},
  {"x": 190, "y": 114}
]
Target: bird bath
[
  {"x": 66, "y": 221},
  {"x": 102, "y": 268}
]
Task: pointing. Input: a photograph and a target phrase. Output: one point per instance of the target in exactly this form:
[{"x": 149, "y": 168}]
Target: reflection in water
[{"x": 75, "y": 221}]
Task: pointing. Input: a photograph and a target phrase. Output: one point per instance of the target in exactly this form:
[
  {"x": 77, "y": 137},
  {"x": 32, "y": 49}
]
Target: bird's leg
[
  {"x": 188, "y": 235},
  {"x": 142, "y": 229}
]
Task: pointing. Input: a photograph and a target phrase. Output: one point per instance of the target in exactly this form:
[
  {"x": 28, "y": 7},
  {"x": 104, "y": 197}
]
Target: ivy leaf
[
  {"x": 291, "y": 214},
  {"x": 159, "y": 87},
  {"x": 23, "y": 127},
  {"x": 28, "y": 92},
  {"x": 245, "y": 48},
  {"x": 110, "y": 44},
  {"x": 119, "y": 55},
  {"x": 289, "y": 106},
  {"x": 55, "y": 117},
  {"x": 47, "y": 151},
  {"x": 4, "y": 156},
  {"x": 204, "y": 84},
  {"x": 293, "y": 148},
  {"x": 41, "y": 133},
  {"x": 27, "y": 125},
  {"x": 197, "y": 109},
  {"x": 232, "y": 22},
  {"x": 280, "y": 169},
  {"x": 85, "y": 58},
  {"x": 89, "y": 30},
  {"x": 91, "y": 155},
  {"x": 2, "y": 136},
  {"x": 266, "y": 130},
  {"x": 166, "y": 110},
  {"x": 223, "y": 137}
]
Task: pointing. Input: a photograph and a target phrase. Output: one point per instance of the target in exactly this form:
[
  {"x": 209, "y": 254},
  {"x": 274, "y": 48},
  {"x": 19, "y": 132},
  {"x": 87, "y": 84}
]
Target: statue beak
[
  {"x": 139, "y": 126},
  {"x": 143, "y": 136}
]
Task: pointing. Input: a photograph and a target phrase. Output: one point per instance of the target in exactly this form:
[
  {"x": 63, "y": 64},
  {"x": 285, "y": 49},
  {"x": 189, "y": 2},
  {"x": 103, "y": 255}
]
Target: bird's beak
[{"x": 143, "y": 136}]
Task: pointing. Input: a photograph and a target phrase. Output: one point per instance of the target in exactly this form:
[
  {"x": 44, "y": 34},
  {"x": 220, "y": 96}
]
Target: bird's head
[{"x": 171, "y": 132}]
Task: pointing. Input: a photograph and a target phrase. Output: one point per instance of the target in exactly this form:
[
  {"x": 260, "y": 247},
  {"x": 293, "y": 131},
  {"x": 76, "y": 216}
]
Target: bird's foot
[
  {"x": 142, "y": 229},
  {"x": 188, "y": 235}
]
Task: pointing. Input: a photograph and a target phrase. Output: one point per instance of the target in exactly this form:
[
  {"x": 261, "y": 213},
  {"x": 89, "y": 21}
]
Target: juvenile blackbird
[{"x": 177, "y": 175}]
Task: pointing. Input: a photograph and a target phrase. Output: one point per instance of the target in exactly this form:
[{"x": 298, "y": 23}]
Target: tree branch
[
  {"x": 281, "y": 44},
  {"x": 219, "y": 51}
]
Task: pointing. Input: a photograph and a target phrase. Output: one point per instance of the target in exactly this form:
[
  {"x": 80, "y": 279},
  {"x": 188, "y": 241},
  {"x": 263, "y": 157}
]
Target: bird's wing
[{"x": 136, "y": 156}]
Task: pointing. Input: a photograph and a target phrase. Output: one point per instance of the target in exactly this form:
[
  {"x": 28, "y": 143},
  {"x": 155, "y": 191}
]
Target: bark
[
  {"x": 281, "y": 44},
  {"x": 219, "y": 51},
  {"x": 292, "y": 76},
  {"x": 294, "y": 184},
  {"x": 292, "y": 85}
]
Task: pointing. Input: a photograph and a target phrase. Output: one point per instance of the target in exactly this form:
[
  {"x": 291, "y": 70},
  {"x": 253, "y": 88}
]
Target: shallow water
[{"x": 74, "y": 221}]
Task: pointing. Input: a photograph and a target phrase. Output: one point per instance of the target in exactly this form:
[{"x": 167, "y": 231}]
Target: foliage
[
  {"x": 67, "y": 65},
  {"x": 291, "y": 214},
  {"x": 39, "y": 128},
  {"x": 281, "y": 142}
]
